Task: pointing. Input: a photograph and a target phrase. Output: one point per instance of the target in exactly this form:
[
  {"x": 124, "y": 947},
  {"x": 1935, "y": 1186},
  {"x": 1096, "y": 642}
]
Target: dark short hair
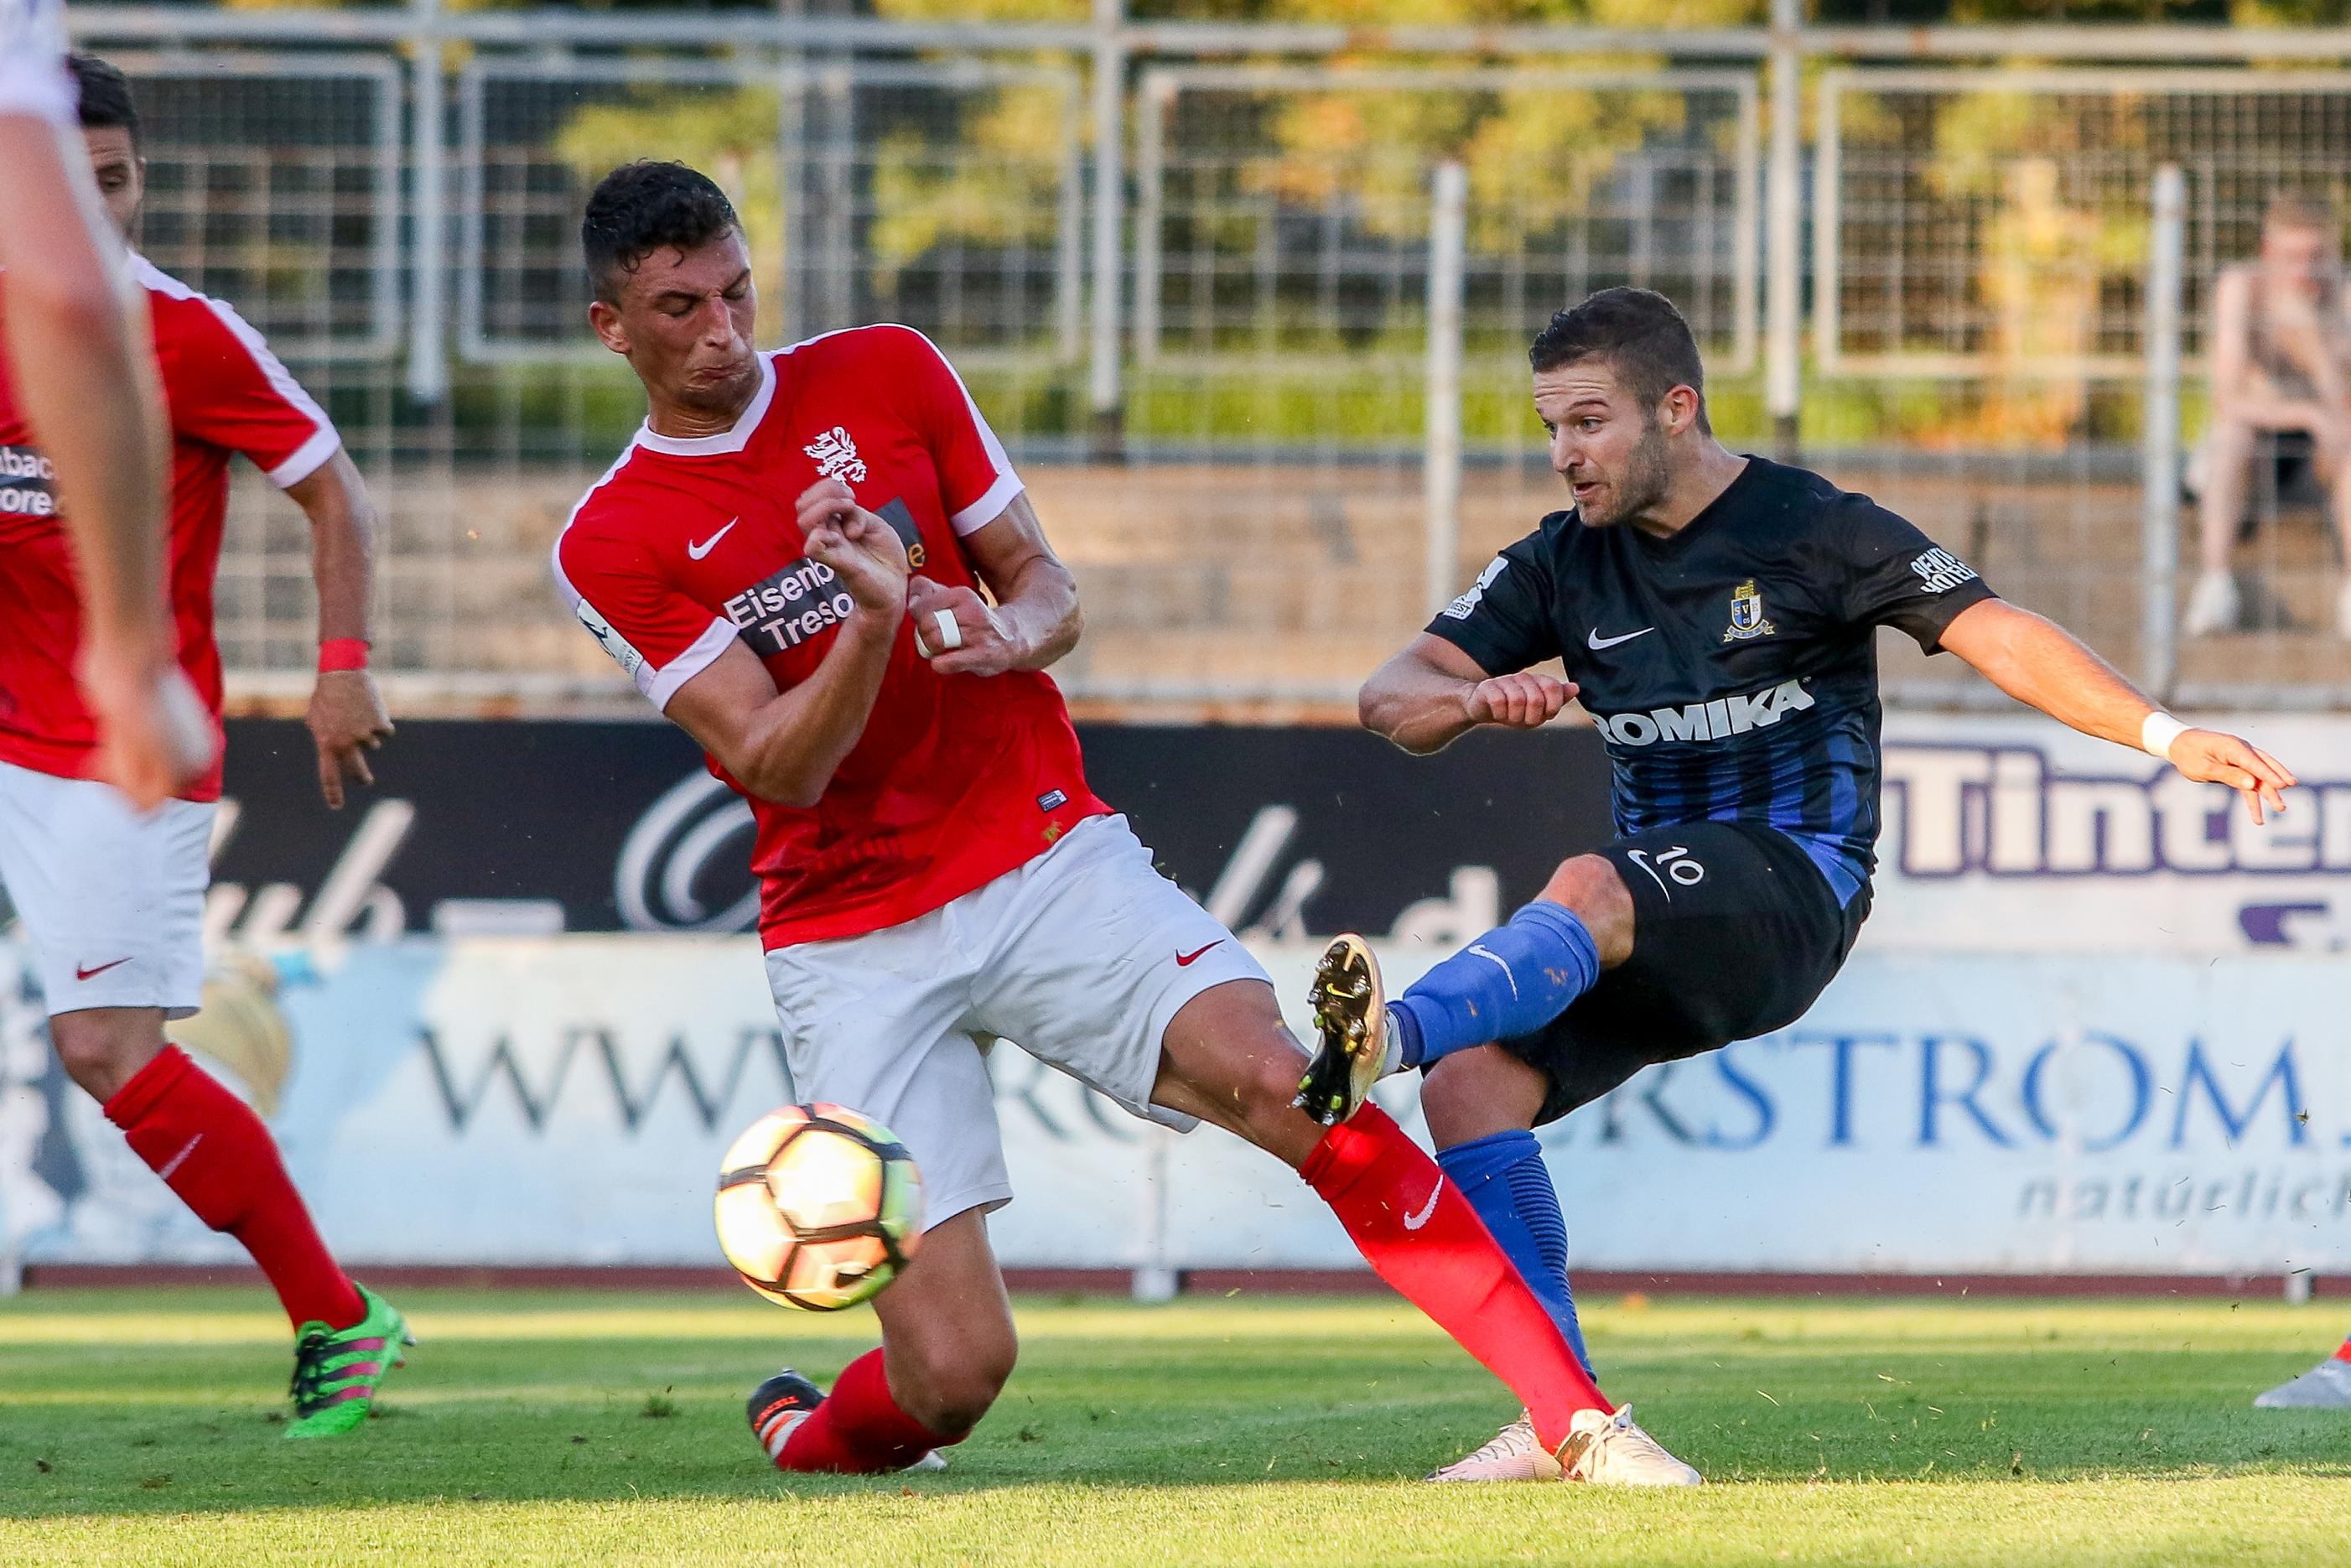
[
  {"x": 106, "y": 102},
  {"x": 645, "y": 206},
  {"x": 1644, "y": 339}
]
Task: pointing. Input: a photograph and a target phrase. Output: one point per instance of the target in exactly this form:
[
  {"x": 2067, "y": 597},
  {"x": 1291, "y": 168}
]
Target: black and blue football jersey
[{"x": 1730, "y": 668}]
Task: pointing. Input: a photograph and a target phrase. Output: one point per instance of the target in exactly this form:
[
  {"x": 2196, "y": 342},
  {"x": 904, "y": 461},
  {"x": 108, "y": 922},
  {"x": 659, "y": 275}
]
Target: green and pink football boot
[{"x": 337, "y": 1371}]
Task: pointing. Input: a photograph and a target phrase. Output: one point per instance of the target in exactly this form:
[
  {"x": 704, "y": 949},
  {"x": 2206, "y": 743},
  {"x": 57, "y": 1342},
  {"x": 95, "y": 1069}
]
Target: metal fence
[{"x": 1196, "y": 297}]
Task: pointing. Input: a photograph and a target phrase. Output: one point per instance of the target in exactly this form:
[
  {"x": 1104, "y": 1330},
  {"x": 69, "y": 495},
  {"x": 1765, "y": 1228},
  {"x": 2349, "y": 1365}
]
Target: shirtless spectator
[{"x": 2280, "y": 390}]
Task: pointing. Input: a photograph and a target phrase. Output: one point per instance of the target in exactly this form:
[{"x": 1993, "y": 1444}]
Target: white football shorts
[
  {"x": 113, "y": 903},
  {"x": 1081, "y": 957}
]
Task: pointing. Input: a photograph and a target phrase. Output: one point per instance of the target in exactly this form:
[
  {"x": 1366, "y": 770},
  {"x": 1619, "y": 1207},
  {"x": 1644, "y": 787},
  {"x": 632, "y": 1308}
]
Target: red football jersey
[
  {"x": 225, "y": 392},
  {"x": 687, "y": 546}
]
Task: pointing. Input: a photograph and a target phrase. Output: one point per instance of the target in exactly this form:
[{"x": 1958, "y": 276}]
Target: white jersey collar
[{"x": 733, "y": 439}]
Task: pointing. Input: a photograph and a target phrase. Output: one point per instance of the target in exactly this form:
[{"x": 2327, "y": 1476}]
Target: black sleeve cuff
[
  {"x": 1481, "y": 649},
  {"x": 1927, "y": 621}
]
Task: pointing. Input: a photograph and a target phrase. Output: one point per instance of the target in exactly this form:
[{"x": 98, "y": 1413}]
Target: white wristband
[
  {"x": 2158, "y": 734},
  {"x": 950, "y": 636}
]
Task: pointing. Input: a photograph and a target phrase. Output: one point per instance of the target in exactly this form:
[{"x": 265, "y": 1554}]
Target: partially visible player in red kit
[
  {"x": 112, "y": 898},
  {"x": 75, "y": 322},
  {"x": 819, "y": 563}
]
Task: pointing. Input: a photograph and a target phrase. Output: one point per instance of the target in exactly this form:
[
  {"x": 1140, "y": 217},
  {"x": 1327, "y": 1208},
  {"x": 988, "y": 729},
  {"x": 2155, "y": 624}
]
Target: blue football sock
[
  {"x": 1512, "y": 981},
  {"x": 1504, "y": 1180}
]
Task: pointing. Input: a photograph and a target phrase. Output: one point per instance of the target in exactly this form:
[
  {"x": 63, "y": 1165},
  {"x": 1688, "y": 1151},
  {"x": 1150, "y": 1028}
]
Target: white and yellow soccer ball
[{"x": 819, "y": 1206}]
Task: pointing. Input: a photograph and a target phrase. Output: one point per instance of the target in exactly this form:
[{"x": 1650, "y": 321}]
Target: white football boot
[
  {"x": 1610, "y": 1451},
  {"x": 2212, "y": 605},
  {"x": 1514, "y": 1454},
  {"x": 1602, "y": 1449},
  {"x": 2326, "y": 1386}
]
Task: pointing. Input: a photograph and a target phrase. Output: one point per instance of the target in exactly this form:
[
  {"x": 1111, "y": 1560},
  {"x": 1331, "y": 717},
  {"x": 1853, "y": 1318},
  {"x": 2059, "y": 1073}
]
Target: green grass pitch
[{"x": 542, "y": 1428}]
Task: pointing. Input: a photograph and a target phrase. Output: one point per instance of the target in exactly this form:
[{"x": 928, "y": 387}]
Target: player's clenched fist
[
  {"x": 958, "y": 632},
  {"x": 862, "y": 550},
  {"x": 1526, "y": 700}
]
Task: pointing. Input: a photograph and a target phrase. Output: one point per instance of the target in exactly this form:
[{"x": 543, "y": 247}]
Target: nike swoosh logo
[
  {"x": 698, "y": 551},
  {"x": 1184, "y": 960},
  {"x": 1414, "y": 1221},
  {"x": 82, "y": 974},
  {"x": 1595, "y": 642}
]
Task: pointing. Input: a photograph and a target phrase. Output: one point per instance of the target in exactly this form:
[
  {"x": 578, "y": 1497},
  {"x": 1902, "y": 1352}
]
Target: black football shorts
[{"x": 1735, "y": 934}]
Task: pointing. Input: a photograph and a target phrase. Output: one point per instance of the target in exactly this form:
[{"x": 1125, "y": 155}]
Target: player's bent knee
[
  {"x": 1479, "y": 1093},
  {"x": 102, "y": 1049},
  {"x": 1590, "y": 885},
  {"x": 949, "y": 1390},
  {"x": 1582, "y": 881}
]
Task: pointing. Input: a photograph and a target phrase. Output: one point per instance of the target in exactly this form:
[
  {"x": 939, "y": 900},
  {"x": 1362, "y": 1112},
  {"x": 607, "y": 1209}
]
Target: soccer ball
[{"x": 819, "y": 1206}]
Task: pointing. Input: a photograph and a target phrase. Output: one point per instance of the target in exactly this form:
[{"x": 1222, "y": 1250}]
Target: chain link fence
[{"x": 1245, "y": 507}]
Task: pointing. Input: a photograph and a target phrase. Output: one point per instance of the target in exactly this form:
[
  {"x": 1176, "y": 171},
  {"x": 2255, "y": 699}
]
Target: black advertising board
[{"x": 609, "y": 825}]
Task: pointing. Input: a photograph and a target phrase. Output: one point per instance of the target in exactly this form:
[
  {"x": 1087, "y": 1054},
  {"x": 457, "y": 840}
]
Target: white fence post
[
  {"x": 1784, "y": 284},
  {"x": 1156, "y": 1280},
  {"x": 1448, "y": 232},
  {"x": 2160, "y": 438},
  {"x": 428, "y": 353},
  {"x": 1105, "y": 397}
]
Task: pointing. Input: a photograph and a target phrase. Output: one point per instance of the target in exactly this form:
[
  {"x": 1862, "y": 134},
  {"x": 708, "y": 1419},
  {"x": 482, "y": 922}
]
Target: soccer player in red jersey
[
  {"x": 112, "y": 898},
  {"x": 821, "y": 564},
  {"x": 71, "y": 322}
]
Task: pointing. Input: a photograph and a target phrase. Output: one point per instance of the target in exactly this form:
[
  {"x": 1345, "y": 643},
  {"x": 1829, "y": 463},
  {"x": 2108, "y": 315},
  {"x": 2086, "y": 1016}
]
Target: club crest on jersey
[
  {"x": 1747, "y": 614},
  {"x": 836, "y": 457}
]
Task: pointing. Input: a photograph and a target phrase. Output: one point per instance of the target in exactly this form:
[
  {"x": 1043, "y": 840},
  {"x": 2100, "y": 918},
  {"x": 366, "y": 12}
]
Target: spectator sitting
[{"x": 2280, "y": 390}]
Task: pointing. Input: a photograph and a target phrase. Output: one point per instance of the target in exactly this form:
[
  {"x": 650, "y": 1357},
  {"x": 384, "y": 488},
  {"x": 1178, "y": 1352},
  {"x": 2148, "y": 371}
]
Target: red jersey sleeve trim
[
  {"x": 664, "y": 682},
  {"x": 308, "y": 460},
  {"x": 990, "y": 506},
  {"x": 322, "y": 442},
  {"x": 992, "y": 501}
]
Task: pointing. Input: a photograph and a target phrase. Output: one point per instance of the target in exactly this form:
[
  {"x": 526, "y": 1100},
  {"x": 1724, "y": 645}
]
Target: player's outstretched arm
[
  {"x": 1035, "y": 619},
  {"x": 784, "y": 746},
  {"x": 2043, "y": 666},
  {"x": 347, "y": 713},
  {"x": 1432, "y": 693},
  {"x": 76, "y": 349}
]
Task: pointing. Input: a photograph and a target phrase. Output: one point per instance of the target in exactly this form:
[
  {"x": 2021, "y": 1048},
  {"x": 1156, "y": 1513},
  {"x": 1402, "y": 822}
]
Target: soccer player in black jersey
[{"x": 1716, "y": 616}]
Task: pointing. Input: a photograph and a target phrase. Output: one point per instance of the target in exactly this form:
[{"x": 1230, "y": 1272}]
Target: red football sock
[
  {"x": 859, "y": 1430},
  {"x": 1421, "y": 1236},
  {"x": 213, "y": 1151},
  {"x": 2344, "y": 1354}
]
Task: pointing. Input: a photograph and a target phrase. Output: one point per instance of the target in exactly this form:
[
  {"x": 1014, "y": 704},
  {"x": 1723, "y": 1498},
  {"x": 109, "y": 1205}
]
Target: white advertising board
[
  {"x": 514, "y": 1101},
  {"x": 2015, "y": 834}
]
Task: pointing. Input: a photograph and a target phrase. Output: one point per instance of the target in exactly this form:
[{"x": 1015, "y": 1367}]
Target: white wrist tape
[
  {"x": 2156, "y": 735},
  {"x": 949, "y": 636}
]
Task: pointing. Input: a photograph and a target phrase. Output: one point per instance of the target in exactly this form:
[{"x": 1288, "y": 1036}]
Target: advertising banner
[
  {"x": 2017, "y": 834},
  {"x": 2002, "y": 834},
  {"x": 500, "y": 1011},
  {"x": 521, "y": 1100}
]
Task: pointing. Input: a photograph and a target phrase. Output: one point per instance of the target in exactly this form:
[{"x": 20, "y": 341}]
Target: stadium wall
[{"x": 2094, "y": 1028}]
